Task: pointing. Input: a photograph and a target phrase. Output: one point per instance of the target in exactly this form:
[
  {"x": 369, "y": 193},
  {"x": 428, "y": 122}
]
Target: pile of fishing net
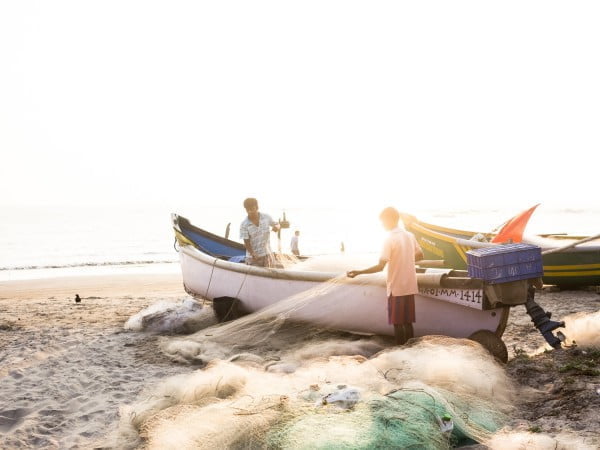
[
  {"x": 433, "y": 394},
  {"x": 268, "y": 333},
  {"x": 180, "y": 316},
  {"x": 583, "y": 329}
]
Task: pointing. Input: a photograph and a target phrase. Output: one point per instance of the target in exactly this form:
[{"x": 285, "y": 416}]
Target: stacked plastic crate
[{"x": 504, "y": 263}]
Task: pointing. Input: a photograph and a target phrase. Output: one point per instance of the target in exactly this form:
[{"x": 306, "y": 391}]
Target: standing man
[
  {"x": 400, "y": 251},
  {"x": 294, "y": 243},
  {"x": 254, "y": 231}
]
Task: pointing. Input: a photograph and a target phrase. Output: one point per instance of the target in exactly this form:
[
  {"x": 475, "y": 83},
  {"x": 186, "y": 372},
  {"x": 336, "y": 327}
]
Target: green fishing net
[{"x": 403, "y": 419}]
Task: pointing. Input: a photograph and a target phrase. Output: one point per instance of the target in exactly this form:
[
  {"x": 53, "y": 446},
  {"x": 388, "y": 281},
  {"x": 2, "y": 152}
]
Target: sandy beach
[{"x": 67, "y": 369}]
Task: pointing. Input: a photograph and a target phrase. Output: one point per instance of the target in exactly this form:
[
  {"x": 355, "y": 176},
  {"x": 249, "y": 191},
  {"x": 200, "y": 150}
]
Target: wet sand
[{"x": 66, "y": 369}]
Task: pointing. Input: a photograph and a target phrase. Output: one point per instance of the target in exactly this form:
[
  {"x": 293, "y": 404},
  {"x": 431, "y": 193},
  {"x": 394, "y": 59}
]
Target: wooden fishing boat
[
  {"x": 449, "y": 302},
  {"x": 573, "y": 267}
]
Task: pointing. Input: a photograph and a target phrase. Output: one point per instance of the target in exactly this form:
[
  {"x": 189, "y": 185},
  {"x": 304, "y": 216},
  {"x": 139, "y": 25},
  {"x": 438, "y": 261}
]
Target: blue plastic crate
[{"x": 503, "y": 263}]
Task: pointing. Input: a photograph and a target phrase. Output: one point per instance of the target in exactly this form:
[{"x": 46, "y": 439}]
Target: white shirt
[
  {"x": 294, "y": 243},
  {"x": 399, "y": 251}
]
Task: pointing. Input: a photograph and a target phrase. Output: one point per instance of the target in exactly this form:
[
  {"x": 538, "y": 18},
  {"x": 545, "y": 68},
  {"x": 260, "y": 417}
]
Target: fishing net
[
  {"x": 270, "y": 332},
  {"x": 182, "y": 316},
  {"x": 268, "y": 381},
  {"x": 583, "y": 329},
  {"x": 399, "y": 397},
  {"x": 404, "y": 418}
]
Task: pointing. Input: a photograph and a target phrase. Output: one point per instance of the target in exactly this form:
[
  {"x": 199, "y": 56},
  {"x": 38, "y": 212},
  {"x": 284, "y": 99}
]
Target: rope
[
  {"x": 237, "y": 295},
  {"x": 209, "y": 281},
  {"x": 242, "y": 284}
]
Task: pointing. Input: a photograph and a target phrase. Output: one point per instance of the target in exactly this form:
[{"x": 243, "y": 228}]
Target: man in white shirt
[
  {"x": 254, "y": 231},
  {"x": 400, "y": 251},
  {"x": 294, "y": 244}
]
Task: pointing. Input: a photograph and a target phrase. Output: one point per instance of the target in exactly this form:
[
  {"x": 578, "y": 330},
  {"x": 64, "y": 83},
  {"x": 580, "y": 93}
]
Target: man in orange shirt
[{"x": 400, "y": 251}]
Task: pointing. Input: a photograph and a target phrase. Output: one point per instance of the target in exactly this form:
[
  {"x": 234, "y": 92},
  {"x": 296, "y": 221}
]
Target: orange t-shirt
[{"x": 399, "y": 252}]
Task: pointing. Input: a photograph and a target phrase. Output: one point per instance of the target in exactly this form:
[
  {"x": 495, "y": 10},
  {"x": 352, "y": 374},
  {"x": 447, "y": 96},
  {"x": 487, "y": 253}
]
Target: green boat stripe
[
  {"x": 585, "y": 273},
  {"x": 573, "y": 267}
]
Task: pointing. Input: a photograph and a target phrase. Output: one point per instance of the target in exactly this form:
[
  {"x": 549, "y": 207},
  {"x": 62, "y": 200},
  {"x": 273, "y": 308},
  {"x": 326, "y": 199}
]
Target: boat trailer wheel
[{"x": 492, "y": 344}]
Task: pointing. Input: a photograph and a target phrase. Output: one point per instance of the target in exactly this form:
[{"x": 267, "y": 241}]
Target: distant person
[
  {"x": 254, "y": 231},
  {"x": 400, "y": 250},
  {"x": 294, "y": 243}
]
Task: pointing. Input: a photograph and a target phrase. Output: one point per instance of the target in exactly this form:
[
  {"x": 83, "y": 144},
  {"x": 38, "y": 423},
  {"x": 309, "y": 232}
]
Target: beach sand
[{"x": 65, "y": 369}]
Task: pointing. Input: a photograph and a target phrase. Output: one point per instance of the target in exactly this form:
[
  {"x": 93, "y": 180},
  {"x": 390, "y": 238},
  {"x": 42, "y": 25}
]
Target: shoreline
[
  {"x": 98, "y": 285},
  {"x": 88, "y": 270}
]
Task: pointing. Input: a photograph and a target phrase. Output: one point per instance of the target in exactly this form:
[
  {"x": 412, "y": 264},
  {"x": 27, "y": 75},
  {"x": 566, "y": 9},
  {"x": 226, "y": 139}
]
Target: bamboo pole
[
  {"x": 475, "y": 244},
  {"x": 573, "y": 244}
]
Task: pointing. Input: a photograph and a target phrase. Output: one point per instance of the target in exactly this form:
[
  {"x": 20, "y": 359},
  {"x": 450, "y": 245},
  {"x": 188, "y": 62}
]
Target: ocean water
[{"x": 50, "y": 241}]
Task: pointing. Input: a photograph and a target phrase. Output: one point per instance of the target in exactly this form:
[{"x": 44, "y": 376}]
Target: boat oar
[
  {"x": 475, "y": 244},
  {"x": 573, "y": 244}
]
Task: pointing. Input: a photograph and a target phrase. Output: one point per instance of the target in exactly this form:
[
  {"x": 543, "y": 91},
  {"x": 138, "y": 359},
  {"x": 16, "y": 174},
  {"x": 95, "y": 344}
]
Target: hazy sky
[{"x": 312, "y": 102}]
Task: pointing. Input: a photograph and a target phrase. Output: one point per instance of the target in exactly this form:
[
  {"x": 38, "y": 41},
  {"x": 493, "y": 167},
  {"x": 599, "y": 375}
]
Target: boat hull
[{"x": 351, "y": 305}]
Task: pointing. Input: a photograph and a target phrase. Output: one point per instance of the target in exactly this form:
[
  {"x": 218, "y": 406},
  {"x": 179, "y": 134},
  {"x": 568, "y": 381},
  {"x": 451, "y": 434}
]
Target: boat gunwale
[{"x": 267, "y": 272}]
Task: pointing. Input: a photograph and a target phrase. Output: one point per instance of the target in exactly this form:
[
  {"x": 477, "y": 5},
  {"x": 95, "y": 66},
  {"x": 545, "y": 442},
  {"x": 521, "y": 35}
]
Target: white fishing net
[{"x": 398, "y": 395}]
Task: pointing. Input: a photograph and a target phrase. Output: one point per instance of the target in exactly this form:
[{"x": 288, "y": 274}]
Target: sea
[{"x": 52, "y": 241}]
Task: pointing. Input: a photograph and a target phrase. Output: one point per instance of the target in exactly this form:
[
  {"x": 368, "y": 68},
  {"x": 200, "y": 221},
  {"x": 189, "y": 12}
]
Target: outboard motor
[{"x": 541, "y": 319}]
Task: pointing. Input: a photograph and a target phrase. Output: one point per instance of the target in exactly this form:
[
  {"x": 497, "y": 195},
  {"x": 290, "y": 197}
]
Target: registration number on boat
[{"x": 472, "y": 298}]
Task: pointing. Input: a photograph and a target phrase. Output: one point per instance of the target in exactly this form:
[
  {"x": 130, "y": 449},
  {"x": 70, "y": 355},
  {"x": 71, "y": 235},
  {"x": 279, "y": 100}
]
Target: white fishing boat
[{"x": 449, "y": 303}]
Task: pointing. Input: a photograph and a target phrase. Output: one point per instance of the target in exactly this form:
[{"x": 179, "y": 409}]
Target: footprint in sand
[{"x": 12, "y": 417}]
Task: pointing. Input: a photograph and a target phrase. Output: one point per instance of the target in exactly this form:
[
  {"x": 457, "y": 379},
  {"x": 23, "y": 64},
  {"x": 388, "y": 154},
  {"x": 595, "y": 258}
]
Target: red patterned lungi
[{"x": 401, "y": 309}]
